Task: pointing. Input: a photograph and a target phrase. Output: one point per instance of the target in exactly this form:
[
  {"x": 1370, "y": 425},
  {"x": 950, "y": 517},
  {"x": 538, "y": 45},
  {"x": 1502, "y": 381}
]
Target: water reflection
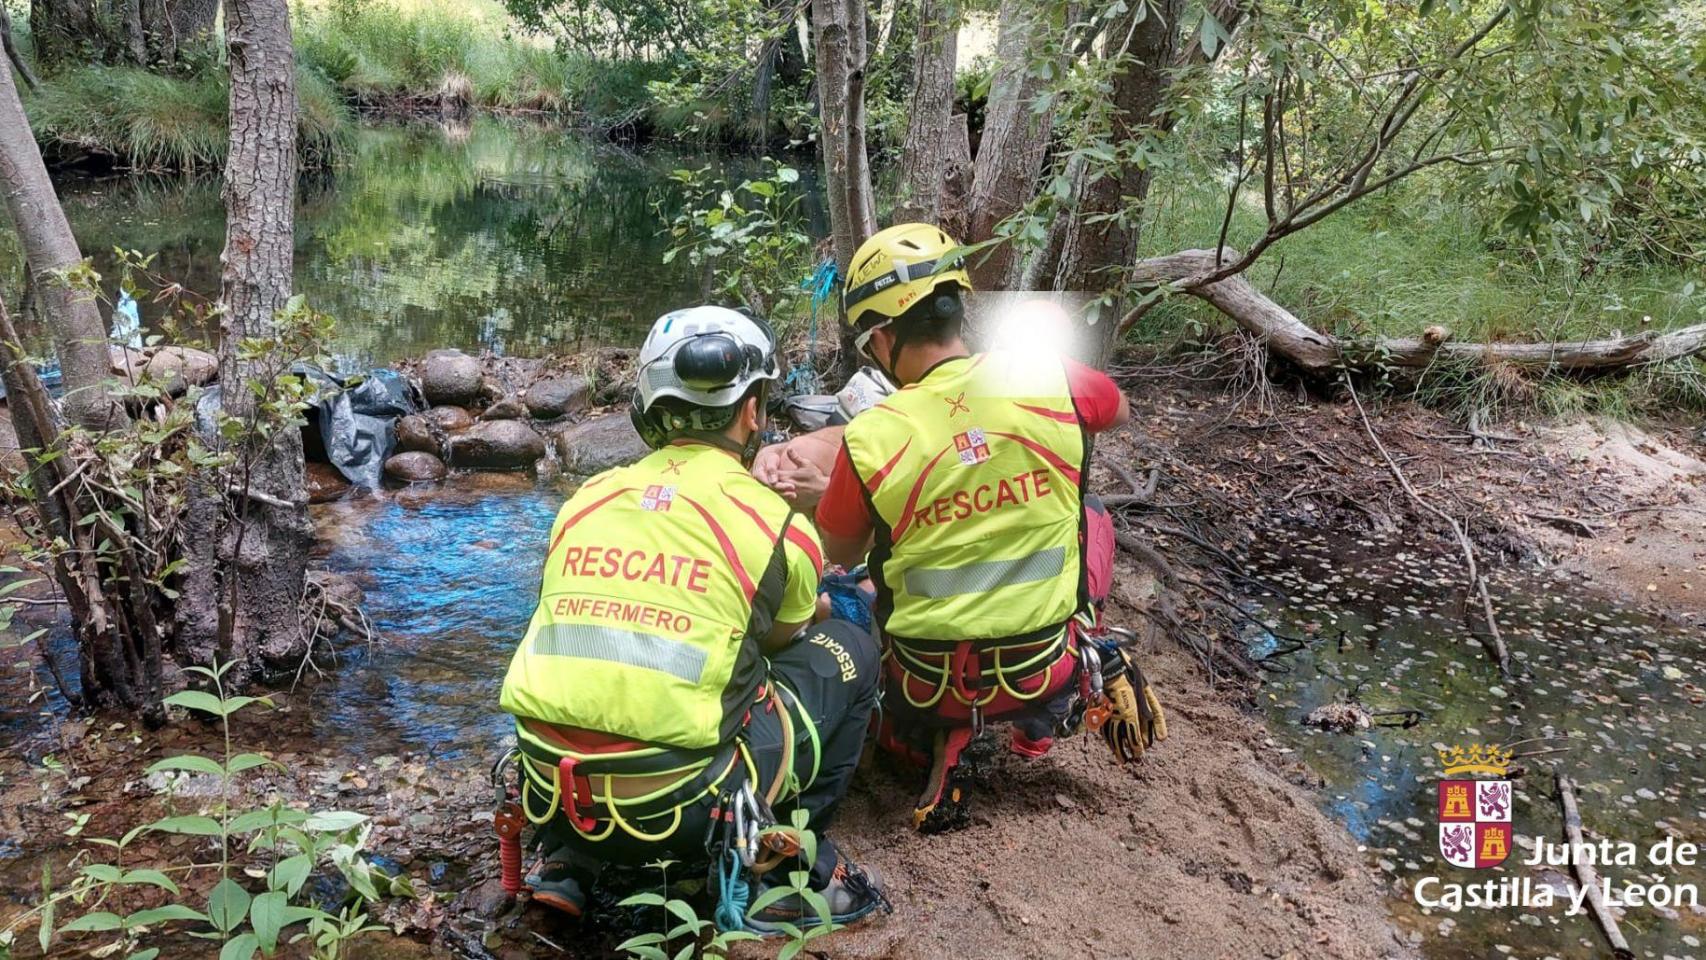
[
  {"x": 496, "y": 235},
  {"x": 1615, "y": 695}
]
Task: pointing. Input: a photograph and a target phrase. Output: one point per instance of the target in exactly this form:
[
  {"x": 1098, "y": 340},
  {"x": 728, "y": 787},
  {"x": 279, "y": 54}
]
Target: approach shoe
[
  {"x": 851, "y": 893},
  {"x": 555, "y": 886}
]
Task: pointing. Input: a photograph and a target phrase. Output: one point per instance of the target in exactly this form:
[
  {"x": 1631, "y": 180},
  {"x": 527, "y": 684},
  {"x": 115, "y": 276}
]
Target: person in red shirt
[{"x": 965, "y": 489}]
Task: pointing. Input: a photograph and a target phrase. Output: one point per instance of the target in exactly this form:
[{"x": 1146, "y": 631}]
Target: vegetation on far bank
[{"x": 392, "y": 57}]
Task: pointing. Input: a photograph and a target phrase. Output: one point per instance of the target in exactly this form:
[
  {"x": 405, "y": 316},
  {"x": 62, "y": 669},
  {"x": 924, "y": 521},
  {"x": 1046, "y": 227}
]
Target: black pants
[{"x": 832, "y": 670}]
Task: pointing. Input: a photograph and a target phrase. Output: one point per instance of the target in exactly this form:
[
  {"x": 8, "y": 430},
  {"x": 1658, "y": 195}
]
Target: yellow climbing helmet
[{"x": 894, "y": 270}]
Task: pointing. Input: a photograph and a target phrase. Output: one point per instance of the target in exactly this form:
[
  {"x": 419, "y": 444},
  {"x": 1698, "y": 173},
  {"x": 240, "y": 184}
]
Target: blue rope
[
  {"x": 822, "y": 284},
  {"x": 733, "y": 893}
]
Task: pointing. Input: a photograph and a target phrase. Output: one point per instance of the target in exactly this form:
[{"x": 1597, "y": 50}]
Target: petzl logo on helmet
[
  {"x": 973, "y": 448},
  {"x": 657, "y": 498},
  {"x": 1475, "y": 815}
]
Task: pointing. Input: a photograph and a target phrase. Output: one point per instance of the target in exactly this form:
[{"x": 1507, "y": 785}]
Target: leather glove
[{"x": 1135, "y": 721}]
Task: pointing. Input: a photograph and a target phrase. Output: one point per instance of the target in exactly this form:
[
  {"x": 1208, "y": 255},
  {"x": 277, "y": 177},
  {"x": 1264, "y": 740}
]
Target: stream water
[
  {"x": 482, "y": 235},
  {"x": 1613, "y": 697}
]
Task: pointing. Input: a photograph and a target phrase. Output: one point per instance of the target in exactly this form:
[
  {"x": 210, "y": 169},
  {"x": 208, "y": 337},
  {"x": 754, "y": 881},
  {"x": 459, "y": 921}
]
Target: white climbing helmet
[{"x": 707, "y": 357}]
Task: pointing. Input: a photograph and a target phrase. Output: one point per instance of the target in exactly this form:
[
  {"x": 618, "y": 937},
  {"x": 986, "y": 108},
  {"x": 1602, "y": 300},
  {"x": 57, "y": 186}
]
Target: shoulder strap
[{"x": 767, "y": 600}]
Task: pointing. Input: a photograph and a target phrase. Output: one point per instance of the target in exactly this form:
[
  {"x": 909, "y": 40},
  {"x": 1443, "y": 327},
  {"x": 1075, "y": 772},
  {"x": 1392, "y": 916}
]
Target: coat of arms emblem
[
  {"x": 972, "y": 447},
  {"x": 1475, "y": 814}
]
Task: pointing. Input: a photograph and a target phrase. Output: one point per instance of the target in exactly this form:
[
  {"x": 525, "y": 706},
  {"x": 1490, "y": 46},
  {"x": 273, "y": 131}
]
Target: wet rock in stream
[
  {"x": 555, "y": 397},
  {"x": 451, "y": 377},
  {"x": 508, "y": 408},
  {"x": 599, "y": 444},
  {"x": 497, "y": 445},
  {"x": 415, "y": 466},
  {"x": 325, "y": 482}
]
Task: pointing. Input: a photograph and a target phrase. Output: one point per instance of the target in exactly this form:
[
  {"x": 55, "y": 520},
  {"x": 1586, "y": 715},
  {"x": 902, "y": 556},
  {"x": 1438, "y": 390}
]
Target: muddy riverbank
[{"x": 1225, "y": 843}]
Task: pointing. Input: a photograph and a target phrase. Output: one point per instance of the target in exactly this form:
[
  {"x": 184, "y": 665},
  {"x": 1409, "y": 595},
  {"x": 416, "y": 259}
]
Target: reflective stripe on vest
[
  {"x": 985, "y": 575},
  {"x": 659, "y": 581},
  {"x": 645, "y": 650},
  {"x": 972, "y": 476}
]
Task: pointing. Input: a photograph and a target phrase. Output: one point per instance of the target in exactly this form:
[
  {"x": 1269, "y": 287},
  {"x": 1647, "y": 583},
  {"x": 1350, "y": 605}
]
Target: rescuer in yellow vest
[
  {"x": 672, "y": 697},
  {"x": 967, "y": 488}
]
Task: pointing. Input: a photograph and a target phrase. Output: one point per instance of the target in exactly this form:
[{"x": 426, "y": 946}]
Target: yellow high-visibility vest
[
  {"x": 661, "y": 580},
  {"x": 974, "y": 479}
]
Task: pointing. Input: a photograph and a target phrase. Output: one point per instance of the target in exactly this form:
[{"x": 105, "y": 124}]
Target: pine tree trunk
[
  {"x": 928, "y": 155},
  {"x": 263, "y": 528},
  {"x": 1015, "y": 142},
  {"x": 839, "y": 30},
  {"x": 79, "y": 336}
]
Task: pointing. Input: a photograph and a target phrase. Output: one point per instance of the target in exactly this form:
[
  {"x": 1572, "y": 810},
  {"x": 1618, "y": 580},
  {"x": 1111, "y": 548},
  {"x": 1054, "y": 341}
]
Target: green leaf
[
  {"x": 193, "y": 764},
  {"x": 104, "y": 872},
  {"x": 171, "y": 911},
  {"x": 148, "y": 954},
  {"x": 240, "y": 947},
  {"x": 767, "y": 898},
  {"x": 195, "y": 826},
  {"x": 682, "y": 909},
  {"x": 791, "y": 949},
  {"x": 334, "y": 821},
  {"x": 642, "y": 900},
  {"x": 93, "y": 923},
  {"x": 196, "y": 700},
  {"x": 266, "y": 915},
  {"x": 153, "y": 878},
  {"x": 686, "y": 951},
  {"x": 254, "y": 820},
  {"x": 290, "y": 873},
  {"x": 228, "y": 904},
  {"x": 642, "y": 940}
]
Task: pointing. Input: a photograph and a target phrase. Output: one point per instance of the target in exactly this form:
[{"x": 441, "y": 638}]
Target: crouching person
[{"x": 672, "y": 698}]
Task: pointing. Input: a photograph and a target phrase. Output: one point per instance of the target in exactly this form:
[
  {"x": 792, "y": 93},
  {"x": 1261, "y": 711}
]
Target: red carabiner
[{"x": 571, "y": 798}]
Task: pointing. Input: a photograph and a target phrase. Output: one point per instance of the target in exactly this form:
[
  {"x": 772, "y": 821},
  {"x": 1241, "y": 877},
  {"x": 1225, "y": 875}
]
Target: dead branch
[
  {"x": 1494, "y": 641},
  {"x": 1318, "y": 352},
  {"x": 1585, "y": 872}
]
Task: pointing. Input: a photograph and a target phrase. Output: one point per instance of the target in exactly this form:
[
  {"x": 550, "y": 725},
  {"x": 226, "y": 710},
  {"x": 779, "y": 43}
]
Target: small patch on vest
[
  {"x": 658, "y": 498},
  {"x": 972, "y": 447},
  {"x": 843, "y": 659}
]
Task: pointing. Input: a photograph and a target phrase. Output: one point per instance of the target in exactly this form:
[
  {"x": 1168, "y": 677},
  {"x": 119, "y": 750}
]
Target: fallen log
[
  {"x": 1585, "y": 873},
  {"x": 1188, "y": 271}
]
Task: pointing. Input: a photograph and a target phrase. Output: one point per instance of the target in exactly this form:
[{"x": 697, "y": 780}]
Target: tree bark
[
  {"x": 1317, "y": 352},
  {"x": 66, "y": 31},
  {"x": 262, "y": 546},
  {"x": 927, "y": 154},
  {"x": 174, "y": 28},
  {"x": 1101, "y": 241},
  {"x": 1015, "y": 141},
  {"x": 839, "y": 28},
  {"x": 17, "y": 60},
  {"x": 79, "y": 337}
]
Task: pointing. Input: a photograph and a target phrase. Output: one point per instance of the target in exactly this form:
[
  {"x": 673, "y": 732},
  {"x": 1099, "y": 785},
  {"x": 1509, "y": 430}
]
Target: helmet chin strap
[{"x": 748, "y": 451}]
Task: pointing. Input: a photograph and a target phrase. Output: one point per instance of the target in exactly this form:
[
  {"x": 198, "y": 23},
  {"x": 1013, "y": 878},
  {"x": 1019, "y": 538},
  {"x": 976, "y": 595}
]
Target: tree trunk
[
  {"x": 66, "y": 31},
  {"x": 17, "y": 60},
  {"x": 128, "y": 13},
  {"x": 262, "y": 546},
  {"x": 925, "y": 159},
  {"x": 1015, "y": 141},
  {"x": 1316, "y": 352},
  {"x": 176, "y": 27},
  {"x": 1101, "y": 242},
  {"x": 839, "y": 30},
  {"x": 71, "y": 315},
  {"x": 839, "y": 27}
]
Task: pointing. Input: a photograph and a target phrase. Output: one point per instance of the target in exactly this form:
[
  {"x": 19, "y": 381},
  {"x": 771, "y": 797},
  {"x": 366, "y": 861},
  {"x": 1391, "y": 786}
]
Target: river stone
[
  {"x": 450, "y": 377},
  {"x": 509, "y": 408},
  {"x": 497, "y": 445},
  {"x": 324, "y": 482},
  {"x": 554, "y": 397},
  {"x": 451, "y": 419},
  {"x": 600, "y": 444},
  {"x": 415, "y": 466},
  {"x": 337, "y": 587},
  {"x": 414, "y": 433},
  {"x": 179, "y": 368}
]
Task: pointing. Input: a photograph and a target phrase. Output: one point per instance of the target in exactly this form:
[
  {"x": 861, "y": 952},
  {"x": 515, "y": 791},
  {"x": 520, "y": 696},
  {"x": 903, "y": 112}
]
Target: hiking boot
[
  {"x": 851, "y": 893},
  {"x": 555, "y": 886}
]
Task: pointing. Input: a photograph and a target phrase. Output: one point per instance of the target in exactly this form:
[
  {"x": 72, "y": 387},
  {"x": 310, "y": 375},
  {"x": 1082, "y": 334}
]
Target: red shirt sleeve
[
  {"x": 842, "y": 512},
  {"x": 1094, "y": 395}
]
